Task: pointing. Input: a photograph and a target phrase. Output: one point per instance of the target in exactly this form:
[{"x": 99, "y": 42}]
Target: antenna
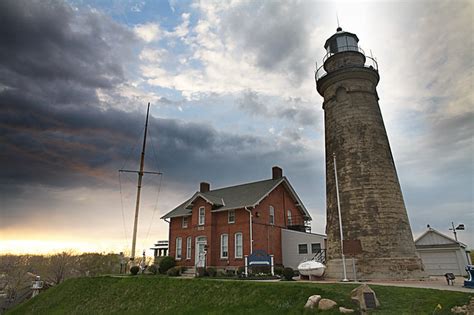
[{"x": 338, "y": 26}]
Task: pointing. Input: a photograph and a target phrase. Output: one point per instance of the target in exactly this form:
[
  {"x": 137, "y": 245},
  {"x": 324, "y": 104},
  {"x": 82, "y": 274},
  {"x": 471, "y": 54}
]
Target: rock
[
  {"x": 326, "y": 304},
  {"x": 459, "y": 309},
  {"x": 365, "y": 297},
  {"x": 313, "y": 301},
  {"x": 344, "y": 310}
]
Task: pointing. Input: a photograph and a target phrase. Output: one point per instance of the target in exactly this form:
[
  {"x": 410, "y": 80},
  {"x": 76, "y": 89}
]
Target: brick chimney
[
  {"x": 204, "y": 187},
  {"x": 277, "y": 172}
]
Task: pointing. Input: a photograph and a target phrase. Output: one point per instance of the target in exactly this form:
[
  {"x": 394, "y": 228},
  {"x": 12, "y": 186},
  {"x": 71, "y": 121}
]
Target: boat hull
[{"x": 311, "y": 268}]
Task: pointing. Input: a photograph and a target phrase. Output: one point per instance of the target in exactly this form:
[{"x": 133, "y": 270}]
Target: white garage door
[{"x": 439, "y": 263}]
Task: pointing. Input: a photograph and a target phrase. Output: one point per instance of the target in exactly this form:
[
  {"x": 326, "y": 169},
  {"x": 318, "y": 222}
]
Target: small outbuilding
[{"x": 442, "y": 254}]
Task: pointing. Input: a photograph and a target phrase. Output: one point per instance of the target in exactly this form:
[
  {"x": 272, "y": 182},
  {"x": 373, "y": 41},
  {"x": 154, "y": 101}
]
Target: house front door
[{"x": 200, "y": 258}]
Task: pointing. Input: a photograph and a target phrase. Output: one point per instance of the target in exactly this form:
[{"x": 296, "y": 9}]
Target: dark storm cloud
[{"x": 48, "y": 40}]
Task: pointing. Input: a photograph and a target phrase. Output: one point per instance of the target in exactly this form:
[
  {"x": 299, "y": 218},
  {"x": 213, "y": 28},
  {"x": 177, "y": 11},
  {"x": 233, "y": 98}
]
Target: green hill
[{"x": 152, "y": 294}]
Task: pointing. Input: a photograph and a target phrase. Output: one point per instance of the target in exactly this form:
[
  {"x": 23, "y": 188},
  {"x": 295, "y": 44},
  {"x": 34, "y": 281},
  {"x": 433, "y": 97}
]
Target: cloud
[
  {"x": 148, "y": 32},
  {"x": 291, "y": 109}
]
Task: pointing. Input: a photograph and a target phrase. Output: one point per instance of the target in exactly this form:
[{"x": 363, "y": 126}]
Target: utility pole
[
  {"x": 460, "y": 227},
  {"x": 139, "y": 186}
]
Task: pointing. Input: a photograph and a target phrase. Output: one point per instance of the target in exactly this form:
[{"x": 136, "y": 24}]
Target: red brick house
[{"x": 222, "y": 222}]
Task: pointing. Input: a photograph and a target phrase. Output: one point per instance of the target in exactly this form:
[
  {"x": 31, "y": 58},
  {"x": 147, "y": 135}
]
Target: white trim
[
  {"x": 226, "y": 245},
  {"x": 189, "y": 241},
  {"x": 241, "y": 245},
  {"x": 179, "y": 249},
  {"x": 228, "y": 216},
  {"x": 203, "y": 216}
]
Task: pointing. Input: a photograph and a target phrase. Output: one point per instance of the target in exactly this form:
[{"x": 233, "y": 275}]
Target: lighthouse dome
[{"x": 341, "y": 41}]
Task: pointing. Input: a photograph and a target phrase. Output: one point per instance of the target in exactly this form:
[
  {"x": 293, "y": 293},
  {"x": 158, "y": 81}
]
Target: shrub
[
  {"x": 278, "y": 271},
  {"x": 211, "y": 271},
  {"x": 174, "y": 271},
  {"x": 134, "y": 270},
  {"x": 261, "y": 270},
  {"x": 221, "y": 274},
  {"x": 230, "y": 272},
  {"x": 153, "y": 269},
  {"x": 288, "y": 273},
  {"x": 240, "y": 270},
  {"x": 201, "y": 272},
  {"x": 167, "y": 263}
]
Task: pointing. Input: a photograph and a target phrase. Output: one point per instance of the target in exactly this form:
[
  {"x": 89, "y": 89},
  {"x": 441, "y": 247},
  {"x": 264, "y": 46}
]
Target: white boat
[{"x": 311, "y": 268}]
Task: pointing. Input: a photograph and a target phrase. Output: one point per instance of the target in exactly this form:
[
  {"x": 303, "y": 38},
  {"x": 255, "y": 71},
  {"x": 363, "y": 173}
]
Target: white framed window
[
  {"x": 202, "y": 215},
  {"x": 302, "y": 248},
  {"x": 238, "y": 245},
  {"x": 179, "y": 248},
  {"x": 272, "y": 215},
  {"x": 224, "y": 246},
  {"x": 231, "y": 216},
  {"x": 188, "y": 247},
  {"x": 185, "y": 222},
  {"x": 315, "y": 248},
  {"x": 290, "y": 221}
]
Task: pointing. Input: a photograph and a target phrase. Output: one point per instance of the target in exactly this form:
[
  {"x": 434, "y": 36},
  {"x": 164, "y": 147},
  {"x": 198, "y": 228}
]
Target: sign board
[
  {"x": 369, "y": 299},
  {"x": 352, "y": 247},
  {"x": 259, "y": 257}
]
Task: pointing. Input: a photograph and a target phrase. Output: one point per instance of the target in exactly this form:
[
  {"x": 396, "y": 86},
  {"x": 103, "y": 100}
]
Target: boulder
[
  {"x": 344, "y": 310},
  {"x": 459, "y": 309},
  {"x": 326, "y": 304},
  {"x": 365, "y": 297},
  {"x": 313, "y": 301}
]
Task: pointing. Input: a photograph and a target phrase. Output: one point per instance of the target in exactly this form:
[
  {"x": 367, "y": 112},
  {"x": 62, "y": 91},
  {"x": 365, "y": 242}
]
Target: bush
[
  {"x": 240, "y": 271},
  {"x": 288, "y": 273},
  {"x": 153, "y": 269},
  {"x": 166, "y": 263},
  {"x": 201, "y": 272},
  {"x": 134, "y": 270},
  {"x": 266, "y": 270},
  {"x": 278, "y": 271},
  {"x": 230, "y": 272},
  {"x": 211, "y": 271},
  {"x": 174, "y": 271}
]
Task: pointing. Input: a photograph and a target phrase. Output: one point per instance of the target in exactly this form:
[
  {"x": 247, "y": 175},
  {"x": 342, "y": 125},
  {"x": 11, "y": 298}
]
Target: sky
[{"x": 232, "y": 93}]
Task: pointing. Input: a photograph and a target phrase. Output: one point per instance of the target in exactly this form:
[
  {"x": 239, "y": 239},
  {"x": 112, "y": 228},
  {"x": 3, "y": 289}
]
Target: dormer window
[{"x": 202, "y": 214}]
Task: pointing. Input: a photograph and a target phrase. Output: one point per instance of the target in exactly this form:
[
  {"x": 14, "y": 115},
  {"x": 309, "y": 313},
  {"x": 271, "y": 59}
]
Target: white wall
[
  {"x": 438, "y": 261},
  {"x": 289, "y": 245}
]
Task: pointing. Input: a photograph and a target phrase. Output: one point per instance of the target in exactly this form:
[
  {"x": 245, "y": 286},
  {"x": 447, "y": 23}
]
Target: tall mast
[{"x": 139, "y": 187}]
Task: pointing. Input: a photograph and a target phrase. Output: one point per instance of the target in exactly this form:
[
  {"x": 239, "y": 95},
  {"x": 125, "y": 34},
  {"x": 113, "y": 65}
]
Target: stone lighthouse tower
[{"x": 375, "y": 228}]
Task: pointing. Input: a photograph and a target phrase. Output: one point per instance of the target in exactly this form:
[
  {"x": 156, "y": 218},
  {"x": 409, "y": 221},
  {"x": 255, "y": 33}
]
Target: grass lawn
[{"x": 152, "y": 294}]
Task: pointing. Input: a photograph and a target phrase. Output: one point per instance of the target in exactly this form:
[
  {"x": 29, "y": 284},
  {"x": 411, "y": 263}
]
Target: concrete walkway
[{"x": 438, "y": 283}]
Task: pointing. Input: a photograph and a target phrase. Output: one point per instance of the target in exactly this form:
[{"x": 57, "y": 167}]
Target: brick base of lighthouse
[{"x": 376, "y": 269}]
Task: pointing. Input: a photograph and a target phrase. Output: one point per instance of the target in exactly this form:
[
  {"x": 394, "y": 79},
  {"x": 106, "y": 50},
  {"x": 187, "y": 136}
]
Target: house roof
[
  {"x": 237, "y": 197},
  {"x": 434, "y": 238}
]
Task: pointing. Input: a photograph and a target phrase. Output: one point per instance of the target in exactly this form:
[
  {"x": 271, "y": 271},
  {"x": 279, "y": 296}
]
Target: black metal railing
[
  {"x": 320, "y": 256},
  {"x": 370, "y": 62}
]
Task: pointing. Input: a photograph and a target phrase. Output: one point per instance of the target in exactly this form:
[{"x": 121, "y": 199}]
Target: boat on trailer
[{"x": 311, "y": 268}]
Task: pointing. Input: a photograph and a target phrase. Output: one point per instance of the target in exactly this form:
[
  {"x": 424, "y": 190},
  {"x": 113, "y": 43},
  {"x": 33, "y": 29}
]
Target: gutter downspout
[{"x": 250, "y": 229}]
